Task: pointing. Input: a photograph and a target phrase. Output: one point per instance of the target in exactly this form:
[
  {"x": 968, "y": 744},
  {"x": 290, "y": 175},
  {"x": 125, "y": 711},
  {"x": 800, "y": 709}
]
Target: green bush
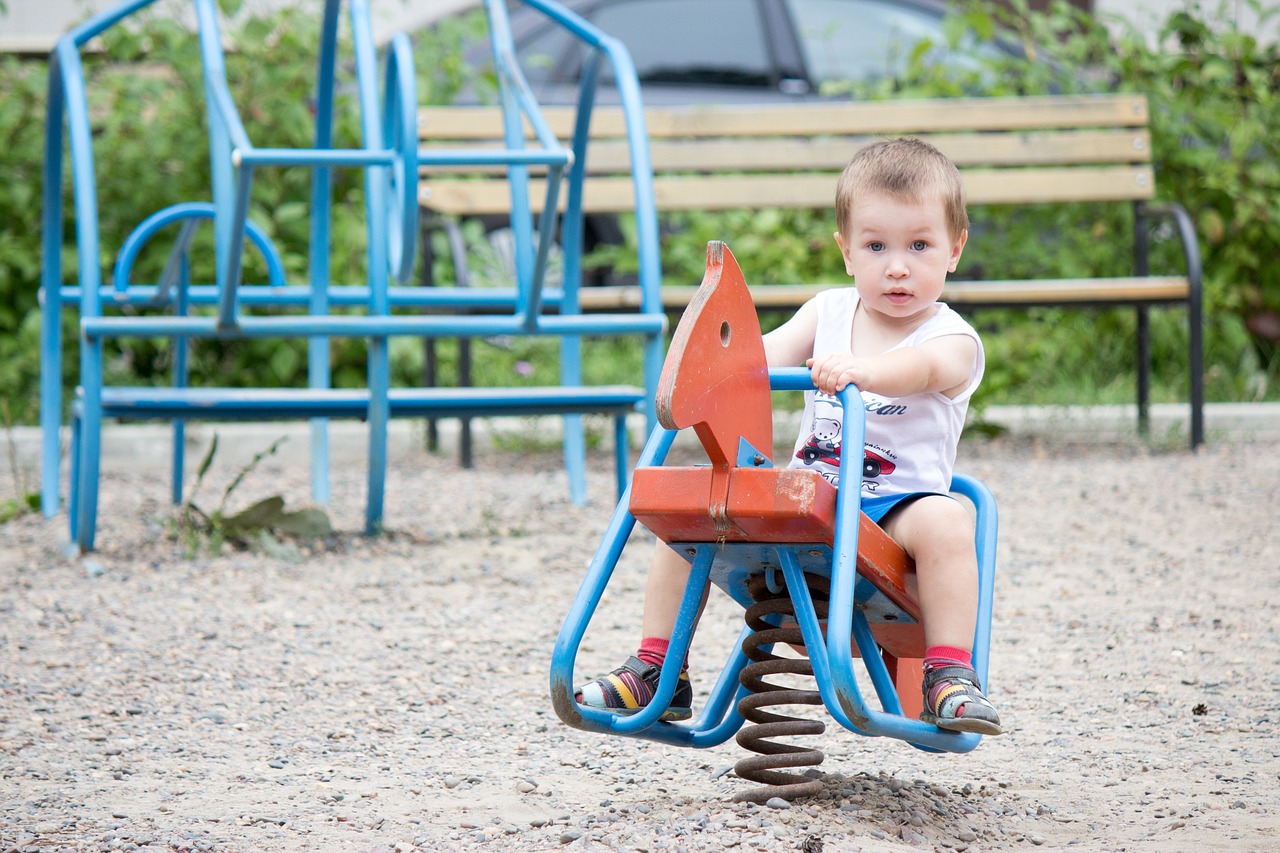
[
  {"x": 1215, "y": 122},
  {"x": 1216, "y": 137},
  {"x": 21, "y": 152}
]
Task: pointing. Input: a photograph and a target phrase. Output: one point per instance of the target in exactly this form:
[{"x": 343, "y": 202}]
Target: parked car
[
  {"x": 709, "y": 51},
  {"x": 726, "y": 51}
]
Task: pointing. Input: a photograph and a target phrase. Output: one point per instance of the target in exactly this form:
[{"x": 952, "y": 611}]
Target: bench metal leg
[
  {"x": 1144, "y": 371},
  {"x": 462, "y": 278},
  {"x": 1195, "y": 318}
]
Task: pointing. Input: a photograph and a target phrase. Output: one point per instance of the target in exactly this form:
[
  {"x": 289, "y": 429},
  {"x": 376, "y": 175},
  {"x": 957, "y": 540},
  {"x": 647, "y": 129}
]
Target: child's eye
[
  {"x": 919, "y": 246},
  {"x": 875, "y": 246}
]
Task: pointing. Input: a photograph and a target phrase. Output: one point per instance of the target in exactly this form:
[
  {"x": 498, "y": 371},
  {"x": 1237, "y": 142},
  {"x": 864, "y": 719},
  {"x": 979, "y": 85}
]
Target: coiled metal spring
[{"x": 768, "y": 768}]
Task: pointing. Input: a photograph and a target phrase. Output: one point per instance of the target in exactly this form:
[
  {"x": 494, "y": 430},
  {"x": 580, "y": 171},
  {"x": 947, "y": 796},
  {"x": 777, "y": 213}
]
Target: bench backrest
[{"x": 1010, "y": 150}]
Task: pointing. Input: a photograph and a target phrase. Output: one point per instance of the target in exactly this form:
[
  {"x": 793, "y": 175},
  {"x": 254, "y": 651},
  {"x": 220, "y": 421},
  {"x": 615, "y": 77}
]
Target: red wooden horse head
[{"x": 715, "y": 378}]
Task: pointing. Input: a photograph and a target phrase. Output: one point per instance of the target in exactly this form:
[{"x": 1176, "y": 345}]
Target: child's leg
[
  {"x": 631, "y": 686},
  {"x": 938, "y": 534},
  {"x": 668, "y": 577}
]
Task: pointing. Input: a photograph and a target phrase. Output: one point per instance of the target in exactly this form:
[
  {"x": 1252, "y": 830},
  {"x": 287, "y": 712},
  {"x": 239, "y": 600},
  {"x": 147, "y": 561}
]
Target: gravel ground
[{"x": 390, "y": 694}]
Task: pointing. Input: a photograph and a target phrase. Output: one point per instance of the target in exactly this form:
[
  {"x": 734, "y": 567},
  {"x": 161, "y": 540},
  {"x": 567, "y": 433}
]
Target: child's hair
[{"x": 906, "y": 168}]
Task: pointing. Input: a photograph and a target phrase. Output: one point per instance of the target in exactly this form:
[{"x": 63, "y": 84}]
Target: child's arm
[
  {"x": 792, "y": 342},
  {"x": 942, "y": 365}
]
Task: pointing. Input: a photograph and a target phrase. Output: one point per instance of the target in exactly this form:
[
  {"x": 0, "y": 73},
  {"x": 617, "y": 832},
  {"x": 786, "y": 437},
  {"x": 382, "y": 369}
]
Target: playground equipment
[
  {"x": 782, "y": 542},
  {"x": 183, "y": 313}
]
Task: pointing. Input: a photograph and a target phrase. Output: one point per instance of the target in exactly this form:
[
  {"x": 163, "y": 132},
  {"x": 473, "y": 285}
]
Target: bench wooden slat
[
  {"x": 804, "y": 190},
  {"x": 1085, "y": 291},
  {"x": 786, "y": 154},
  {"x": 808, "y": 119}
]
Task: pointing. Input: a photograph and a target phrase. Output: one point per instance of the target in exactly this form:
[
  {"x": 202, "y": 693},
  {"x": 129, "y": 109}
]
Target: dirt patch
[{"x": 390, "y": 694}]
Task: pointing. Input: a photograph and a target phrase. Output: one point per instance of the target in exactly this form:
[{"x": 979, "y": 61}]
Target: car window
[
  {"x": 678, "y": 41},
  {"x": 544, "y": 53},
  {"x": 862, "y": 40}
]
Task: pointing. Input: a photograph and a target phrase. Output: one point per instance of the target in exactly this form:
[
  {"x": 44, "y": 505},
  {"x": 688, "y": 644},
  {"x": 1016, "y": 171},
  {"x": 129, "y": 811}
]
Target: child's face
[{"x": 899, "y": 253}]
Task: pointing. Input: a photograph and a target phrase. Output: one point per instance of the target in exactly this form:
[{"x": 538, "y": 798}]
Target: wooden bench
[{"x": 1011, "y": 151}]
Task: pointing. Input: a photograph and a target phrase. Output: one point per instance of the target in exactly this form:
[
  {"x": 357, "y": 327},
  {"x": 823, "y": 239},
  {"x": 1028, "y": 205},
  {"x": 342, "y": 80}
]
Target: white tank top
[{"x": 910, "y": 441}]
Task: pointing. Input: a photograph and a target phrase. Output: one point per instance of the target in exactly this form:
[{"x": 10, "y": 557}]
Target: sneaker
[
  {"x": 630, "y": 687},
  {"x": 953, "y": 700}
]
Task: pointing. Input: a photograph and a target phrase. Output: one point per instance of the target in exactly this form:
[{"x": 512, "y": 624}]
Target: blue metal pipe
[{"x": 346, "y": 326}]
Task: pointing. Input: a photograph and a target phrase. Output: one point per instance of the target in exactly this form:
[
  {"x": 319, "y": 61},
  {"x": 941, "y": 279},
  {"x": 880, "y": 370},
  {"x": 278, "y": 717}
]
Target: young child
[{"x": 900, "y": 211}]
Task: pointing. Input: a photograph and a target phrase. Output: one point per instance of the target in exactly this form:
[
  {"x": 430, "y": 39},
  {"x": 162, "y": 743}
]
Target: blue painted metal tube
[
  {"x": 531, "y": 303},
  {"x": 571, "y": 229},
  {"x": 142, "y": 234},
  {"x": 318, "y": 297},
  {"x": 215, "y": 75},
  {"x": 646, "y": 209},
  {"x": 500, "y": 157},
  {"x": 340, "y": 295},
  {"x": 375, "y": 183},
  {"x": 88, "y": 465},
  {"x": 718, "y": 719},
  {"x": 505, "y": 66},
  {"x": 988, "y": 524},
  {"x": 181, "y": 375},
  {"x": 84, "y": 193},
  {"x": 329, "y": 157},
  {"x": 66, "y": 100},
  {"x": 810, "y": 629},
  {"x": 621, "y": 453},
  {"x": 230, "y": 266},
  {"x": 603, "y": 563},
  {"x": 338, "y": 325},
  {"x": 51, "y": 296},
  {"x": 400, "y": 132},
  {"x": 100, "y": 23},
  {"x": 681, "y": 637},
  {"x": 839, "y": 688},
  {"x": 568, "y": 19}
]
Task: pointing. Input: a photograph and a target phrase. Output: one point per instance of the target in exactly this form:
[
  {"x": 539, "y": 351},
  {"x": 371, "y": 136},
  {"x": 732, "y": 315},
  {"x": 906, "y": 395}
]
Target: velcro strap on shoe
[{"x": 646, "y": 671}]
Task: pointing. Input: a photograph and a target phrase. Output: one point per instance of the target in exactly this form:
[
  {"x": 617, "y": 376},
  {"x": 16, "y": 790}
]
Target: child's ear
[
  {"x": 957, "y": 249},
  {"x": 844, "y": 253}
]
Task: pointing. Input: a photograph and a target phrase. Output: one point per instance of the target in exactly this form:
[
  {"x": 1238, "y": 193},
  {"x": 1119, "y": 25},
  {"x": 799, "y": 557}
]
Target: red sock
[
  {"x": 936, "y": 656},
  {"x": 653, "y": 650}
]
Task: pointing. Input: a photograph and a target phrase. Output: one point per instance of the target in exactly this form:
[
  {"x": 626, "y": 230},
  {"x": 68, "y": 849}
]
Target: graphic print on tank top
[{"x": 821, "y": 450}]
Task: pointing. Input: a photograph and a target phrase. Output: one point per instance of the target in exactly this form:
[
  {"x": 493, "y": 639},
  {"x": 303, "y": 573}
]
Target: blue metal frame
[
  {"x": 390, "y": 160},
  {"x": 728, "y": 565}
]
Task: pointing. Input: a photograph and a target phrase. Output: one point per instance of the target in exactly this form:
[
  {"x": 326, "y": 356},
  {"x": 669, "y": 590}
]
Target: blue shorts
[{"x": 878, "y": 507}]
